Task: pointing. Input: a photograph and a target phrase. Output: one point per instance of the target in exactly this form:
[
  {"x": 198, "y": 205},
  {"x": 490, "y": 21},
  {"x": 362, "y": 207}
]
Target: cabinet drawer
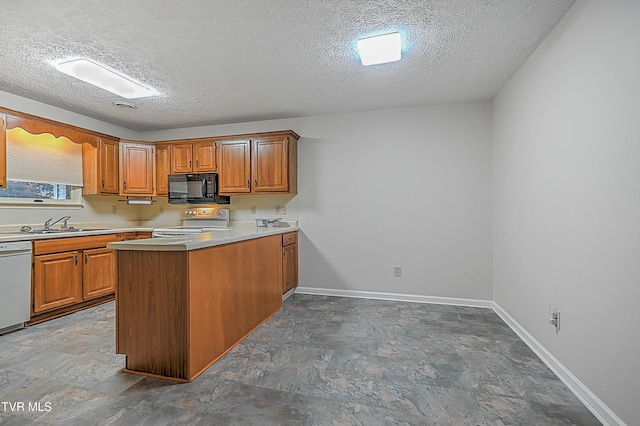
[
  {"x": 289, "y": 238},
  {"x": 57, "y": 245}
]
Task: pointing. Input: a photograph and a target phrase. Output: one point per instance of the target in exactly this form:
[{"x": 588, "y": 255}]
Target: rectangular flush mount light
[
  {"x": 92, "y": 73},
  {"x": 380, "y": 49}
]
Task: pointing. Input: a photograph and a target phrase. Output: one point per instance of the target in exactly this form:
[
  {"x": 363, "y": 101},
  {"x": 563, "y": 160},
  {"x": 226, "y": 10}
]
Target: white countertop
[
  {"x": 201, "y": 240},
  {"x": 8, "y": 236}
]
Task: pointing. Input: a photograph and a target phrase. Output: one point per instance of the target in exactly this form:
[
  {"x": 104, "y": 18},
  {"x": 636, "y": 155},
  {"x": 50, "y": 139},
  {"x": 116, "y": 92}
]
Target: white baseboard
[
  {"x": 588, "y": 398},
  {"x": 475, "y": 303}
]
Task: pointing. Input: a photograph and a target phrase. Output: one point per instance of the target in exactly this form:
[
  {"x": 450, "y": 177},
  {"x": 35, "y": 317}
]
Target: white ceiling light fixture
[
  {"x": 97, "y": 75},
  {"x": 380, "y": 49}
]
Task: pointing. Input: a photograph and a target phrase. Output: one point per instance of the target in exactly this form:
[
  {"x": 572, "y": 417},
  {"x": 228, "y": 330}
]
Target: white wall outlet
[
  {"x": 554, "y": 317},
  {"x": 161, "y": 209},
  {"x": 278, "y": 209},
  {"x": 114, "y": 209},
  {"x": 253, "y": 209},
  {"x": 397, "y": 271},
  {"x": 284, "y": 210}
]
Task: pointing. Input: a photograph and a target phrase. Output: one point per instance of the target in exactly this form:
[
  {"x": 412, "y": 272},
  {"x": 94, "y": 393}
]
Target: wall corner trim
[{"x": 588, "y": 398}]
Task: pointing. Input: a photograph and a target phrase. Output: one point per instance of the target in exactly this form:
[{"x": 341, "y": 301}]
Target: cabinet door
[
  {"x": 270, "y": 165},
  {"x": 204, "y": 155},
  {"x": 108, "y": 166},
  {"x": 137, "y": 169},
  {"x": 98, "y": 273},
  {"x": 289, "y": 267},
  {"x": 163, "y": 165},
  {"x": 181, "y": 158},
  {"x": 235, "y": 166},
  {"x": 3, "y": 151},
  {"x": 57, "y": 280}
]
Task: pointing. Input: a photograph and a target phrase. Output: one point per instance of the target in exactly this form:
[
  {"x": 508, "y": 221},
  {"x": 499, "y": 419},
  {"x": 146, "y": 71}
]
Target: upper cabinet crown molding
[{"x": 38, "y": 126}]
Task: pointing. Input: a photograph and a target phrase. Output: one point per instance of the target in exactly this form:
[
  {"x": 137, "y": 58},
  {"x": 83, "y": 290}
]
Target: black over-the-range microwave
[{"x": 195, "y": 188}]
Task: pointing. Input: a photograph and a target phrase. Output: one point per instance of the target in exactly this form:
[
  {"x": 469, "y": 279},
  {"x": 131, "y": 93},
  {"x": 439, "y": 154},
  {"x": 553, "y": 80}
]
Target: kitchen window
[
  {"x": 36, "y": 190},
  {"x": 42, "y": 169}
]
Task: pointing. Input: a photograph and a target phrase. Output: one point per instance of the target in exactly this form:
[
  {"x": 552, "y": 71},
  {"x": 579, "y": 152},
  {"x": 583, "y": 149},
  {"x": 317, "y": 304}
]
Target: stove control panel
[{"x": 206, "y": 213}]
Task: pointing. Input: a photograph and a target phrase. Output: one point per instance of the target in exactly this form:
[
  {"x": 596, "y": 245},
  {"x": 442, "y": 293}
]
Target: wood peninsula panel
[
  {"x": 178, "y": 312},
  {"x": 233, "y": 289},
  {"x": 151, "y": 312}
]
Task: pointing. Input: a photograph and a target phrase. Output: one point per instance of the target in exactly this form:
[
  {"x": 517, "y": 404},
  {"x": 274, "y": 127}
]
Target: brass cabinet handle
[
  {"x": 197, "y": 163},
  {"x": 255, "y": 182},
  {"x": 124, "y": 184},
  {"x": 248, "y": 183},
  {"x": 76, "y": 259},
  {"x": 86, "y": 258},
  {"x": 103, "y": 183}
]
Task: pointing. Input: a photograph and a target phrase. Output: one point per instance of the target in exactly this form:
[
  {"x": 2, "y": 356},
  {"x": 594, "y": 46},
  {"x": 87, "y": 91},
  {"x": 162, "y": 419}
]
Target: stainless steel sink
[
  {"x": 72, "y": 229},
  {"x": 44, "y": 231},
  {"x": 59, "y": 231}
]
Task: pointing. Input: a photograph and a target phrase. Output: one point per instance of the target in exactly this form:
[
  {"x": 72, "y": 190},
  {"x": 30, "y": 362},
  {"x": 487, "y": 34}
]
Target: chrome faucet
[{"x": 65, "y": 222}]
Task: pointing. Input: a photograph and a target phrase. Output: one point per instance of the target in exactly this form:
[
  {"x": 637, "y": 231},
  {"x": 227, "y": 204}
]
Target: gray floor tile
[{"x": 318, "y": 361}]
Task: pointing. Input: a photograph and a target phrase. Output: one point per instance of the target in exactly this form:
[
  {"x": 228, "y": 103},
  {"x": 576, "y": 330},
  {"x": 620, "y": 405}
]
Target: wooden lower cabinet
[
  {"x": 289, "y": 261},
  {"x": 98, "y": 273},
  {"x": 70, "y": 274},
  {"x": 57, "y": 281}
]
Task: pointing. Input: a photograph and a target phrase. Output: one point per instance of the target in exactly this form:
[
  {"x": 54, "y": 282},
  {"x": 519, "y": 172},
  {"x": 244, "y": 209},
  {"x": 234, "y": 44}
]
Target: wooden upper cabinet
[
  {"x": 204, "y": 154},
  {"x": 163, "y": 168},
  {"x": 270, "y": 165},
  {"x": 3, "y": 151},
  {"x": 266, "y": 163},
  {"x": 194, "y": 157},
  {"x": 235, "y": 166},
  {"x": 181, "y": 158},
  {"x": 108, "y": 170},
  {"x": 137, "y": 168}
]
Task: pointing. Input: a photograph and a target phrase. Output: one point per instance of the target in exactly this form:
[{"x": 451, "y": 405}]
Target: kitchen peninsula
[{"x": 183, "y": 302}]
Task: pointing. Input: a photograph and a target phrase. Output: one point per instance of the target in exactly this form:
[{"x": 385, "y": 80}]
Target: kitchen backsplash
[{"x": 110, "y": 211}]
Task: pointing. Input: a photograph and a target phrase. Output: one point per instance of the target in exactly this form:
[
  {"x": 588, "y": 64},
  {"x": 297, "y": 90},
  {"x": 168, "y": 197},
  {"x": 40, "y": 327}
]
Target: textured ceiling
[{"x": 226, "y": 61}]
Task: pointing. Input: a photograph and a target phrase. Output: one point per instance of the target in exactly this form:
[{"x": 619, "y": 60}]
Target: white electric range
[{"x": 197, "y": 220}]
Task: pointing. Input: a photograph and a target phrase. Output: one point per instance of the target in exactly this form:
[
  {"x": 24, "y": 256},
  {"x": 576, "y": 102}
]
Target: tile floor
[{"x": 319, "y": 361}]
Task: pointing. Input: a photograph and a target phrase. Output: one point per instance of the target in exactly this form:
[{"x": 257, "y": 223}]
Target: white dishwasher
[{"x": 15, "y": 285}]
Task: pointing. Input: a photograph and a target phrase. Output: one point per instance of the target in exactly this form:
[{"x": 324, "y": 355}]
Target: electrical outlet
[
  {"x": 284, "y": 210},
  {"x": 397, "y": 271},
  {"x": 278, "y": 209},
  {"x": 114, "y": 209},
  {"x": 253, "y": 209},
  {"x": 161, "y": 209},
  {"x": 554, "y": 317}
]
